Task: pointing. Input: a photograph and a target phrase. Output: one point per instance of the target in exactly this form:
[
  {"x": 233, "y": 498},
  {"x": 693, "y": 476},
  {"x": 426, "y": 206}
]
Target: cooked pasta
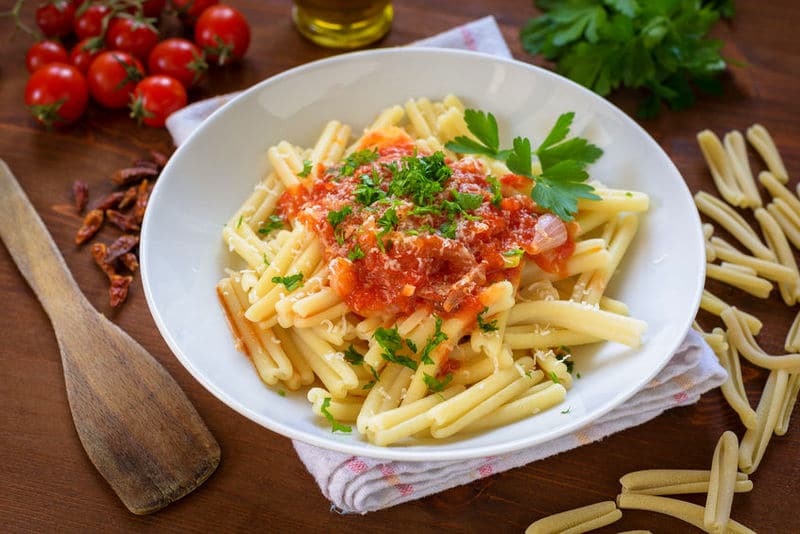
[{"x": 416, "y": 287}]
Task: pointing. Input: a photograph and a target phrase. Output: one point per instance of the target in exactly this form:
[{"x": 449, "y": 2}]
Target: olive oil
[{"x": 343, "y": 23}]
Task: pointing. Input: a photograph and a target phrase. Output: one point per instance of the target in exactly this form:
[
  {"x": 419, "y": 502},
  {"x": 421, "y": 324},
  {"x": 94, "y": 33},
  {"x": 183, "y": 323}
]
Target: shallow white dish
[{"x": 210, "y": 175}]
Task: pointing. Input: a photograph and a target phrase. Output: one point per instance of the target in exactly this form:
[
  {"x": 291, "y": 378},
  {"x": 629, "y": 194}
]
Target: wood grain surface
[{"x": 49, "y": 485}]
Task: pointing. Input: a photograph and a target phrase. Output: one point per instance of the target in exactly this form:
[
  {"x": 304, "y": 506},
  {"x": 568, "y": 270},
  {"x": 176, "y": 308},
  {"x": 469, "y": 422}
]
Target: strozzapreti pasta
[{"x": 424, "y": 281}]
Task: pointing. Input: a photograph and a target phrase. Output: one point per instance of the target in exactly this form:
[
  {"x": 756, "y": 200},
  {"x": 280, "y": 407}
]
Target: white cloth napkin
[{"x": 360, "y": 485}]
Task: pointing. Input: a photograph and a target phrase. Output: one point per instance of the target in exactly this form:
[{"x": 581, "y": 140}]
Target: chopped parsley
[
  {"x": 489, "y": 326},
  {"x": 335, "y": 425},
  {"x": 388, "y": 221},
  {"x": 513, "y": 252},
  {"x": 306, "y": 168},
  {"x": 468, "y": 201},
  {"x": 335, "y": 218},
  {"x": 266, "y": 261},
  {"x": 436, "y": 385},
  {"x": 554, "y": 377},
  {"x": 374, "y": 373},
  {"x": 356, "y": 160},
  {"x": 567, "y": 410},
  {"x": 274, "y": 222},
  {"x": 494, "y": 187},
  {"x": 369, "y": 191},
  {"x": 421, "y": 179},
  {"x": 433, "y": 341},
  {"x": 241, "y": 218},
  {"x": 356, "y": 253},
  {"x": 448, "y": 229},
  {"x": 368, "y": 385},
  {"x": 577, "y": 375},
  {"x": 411, "y": 345},
  {"x": 281, "y": 393},
  {"x": 391, "y": 342},
  {"x": 290, "y": 282},
  {"x": 563, "y": 178},
  {"x": 352, "y": 356}
]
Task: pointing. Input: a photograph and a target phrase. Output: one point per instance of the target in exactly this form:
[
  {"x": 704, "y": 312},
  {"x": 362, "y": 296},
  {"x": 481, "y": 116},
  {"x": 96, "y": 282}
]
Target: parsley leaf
[
  {"x": 513, "y": 252},
  {"x": 468, "y": 201},
  {"x": 356, "y": 160},
  {"x": 494, "y": 187},
  {"x": 484, "y": 127},
  {"x": 436, "y": 385},
  {"x": 448, "y": 229},
  {"x": 241, "y": 218},
  {"x": 391, "y": 341},
  {"x": 307, "y": 165},
  {"x": 335, "y": 425},
  {"x": 519, "y": 161},
  {"x": 559, "y": 188},
  {"x": 335, "y": 218},
  {"x": 411, "y": 345},
  {"x": 356, "y": 253},
  {"x": 554, "y": 377},
  {"x": 433, "y": 341},
  {"x": 489, "y": 326},
  {"x": 290, "y": 282},
  {"x": 368, "y": 191},
  {"x": 274, "y": 222},
  {"x": 659, "y": 47},
  {"x": 388, "y": 221},
  {"x": 352, "y": 356}
]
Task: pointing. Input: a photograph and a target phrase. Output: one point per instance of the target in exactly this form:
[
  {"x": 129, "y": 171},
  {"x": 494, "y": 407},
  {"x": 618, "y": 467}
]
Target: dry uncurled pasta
[
  {"x": 776, "y": 240},
  {"x": 685, "y": 511},
  {"x": 722, "y": 483},
  {"x": 762, "y": 141},
  {"x": 787, "y": 406},
  {"x": 755, "y": 441},
  {"x": 721, "y": 169},
  {"x": 726, "y": 217},
  {"x": 675, "y": 482},
  {"x": 792, "y": 343},
  {"x": 733, "y": 387},
  {"x": 578, "y": 520},
  {"x": 740, "y": 166},
  {"x": 740, "y": 336}
]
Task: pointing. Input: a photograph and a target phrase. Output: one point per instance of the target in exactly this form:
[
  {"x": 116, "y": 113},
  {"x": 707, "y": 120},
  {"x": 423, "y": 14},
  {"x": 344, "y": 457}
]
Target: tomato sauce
[{"x": 428, "y": 258}]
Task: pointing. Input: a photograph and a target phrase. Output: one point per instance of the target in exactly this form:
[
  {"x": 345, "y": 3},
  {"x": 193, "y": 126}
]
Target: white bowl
[{"x": 210, "y": 175}]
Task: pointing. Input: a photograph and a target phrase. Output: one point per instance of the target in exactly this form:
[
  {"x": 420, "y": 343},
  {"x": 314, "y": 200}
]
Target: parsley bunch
[
  {"x": 656, "y": 45},
  {"x": 563, "y": 178}
]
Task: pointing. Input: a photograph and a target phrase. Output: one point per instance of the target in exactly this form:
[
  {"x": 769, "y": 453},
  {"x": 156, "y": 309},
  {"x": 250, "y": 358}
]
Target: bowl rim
[{"x": 410, "y": 453}]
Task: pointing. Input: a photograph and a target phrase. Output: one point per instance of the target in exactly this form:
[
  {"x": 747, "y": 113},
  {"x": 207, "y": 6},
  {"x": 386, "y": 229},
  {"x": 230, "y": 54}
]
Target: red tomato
[
  {"x": 90, "y": 22},
  {"x": 56, "y": 94},
  {"x": 55, "y": 19},
  {"x": 134, "y": 35},
  {"x": 190, "y": 10},
  {"x": 83, "y": 53},
  {"x": 112, "y": 78},
  {"x": 223, "y": 34},
  {"x": 179, "y": 58},
  {"x": 44, "y": 52},
  {"x": 156, "y": 98}
]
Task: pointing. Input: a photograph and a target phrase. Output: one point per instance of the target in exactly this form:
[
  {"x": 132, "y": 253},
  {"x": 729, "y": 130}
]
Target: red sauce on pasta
[{"x": 440, "y": 255}]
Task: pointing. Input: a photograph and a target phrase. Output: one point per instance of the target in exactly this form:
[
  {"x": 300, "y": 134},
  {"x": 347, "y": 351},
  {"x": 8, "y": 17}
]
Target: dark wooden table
[{"x": 48, "y": 484}]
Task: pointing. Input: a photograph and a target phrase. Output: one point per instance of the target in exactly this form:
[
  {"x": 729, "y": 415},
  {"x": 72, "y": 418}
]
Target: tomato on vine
[
  {"x": 56, "y": 94},
  {"x": 55, "y": 18},
  {"x": 44, "y": 52},
  {"x": 112, "y": 78},
  {"x": 190, "y": 10},
  {"x": 179, "y": 58},
  {"x": 89, "y": 20},
  {"x": 156, "y": 98},
  {"x": 223, "y": 34},
  {"x": 132, "y": 34},
  {"x": 83, "y": 53}
]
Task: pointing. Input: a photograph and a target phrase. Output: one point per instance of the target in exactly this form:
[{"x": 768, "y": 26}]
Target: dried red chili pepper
[
  {"x": 118, "y": 291},
  {"x": 121, "y": 246},
  {"x": 80, "y": 193},
  {"x": 129, "y": 261},
  {"x": 142, "y": 196},
  {"x": 111, "y": 200},
  {"x": 91, "y": 224},
  {"x": 124, "y": 222},
  {"x": 99, "y": 251},
  {"x": 131, "y": 175},
  {"x": 159, "y": 158},
  {"x": 128, "y": 197}
]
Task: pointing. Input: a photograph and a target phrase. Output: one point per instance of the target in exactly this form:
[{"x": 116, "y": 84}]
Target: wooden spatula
[{"x": 137, "y": 426}]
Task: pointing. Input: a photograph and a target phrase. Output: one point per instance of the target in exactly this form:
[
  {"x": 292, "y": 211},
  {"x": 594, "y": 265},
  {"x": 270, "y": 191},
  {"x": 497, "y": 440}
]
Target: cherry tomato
[
  {"x": 156, "y": 98},
  {"x": 90, "y": 22},
  {"x": 44, "y": 52},
  {"x": 56, "y": 94},
  {"x": 83, "y": 53},
  {"x": 190, "y": 10},
  {"x": 134, "y": 35},
  {"x": 55, "y": 19},
  {"x": 112, "y": 78},
  {"x": 179, "y": 58},
  {"x": 223, "y": 34}
]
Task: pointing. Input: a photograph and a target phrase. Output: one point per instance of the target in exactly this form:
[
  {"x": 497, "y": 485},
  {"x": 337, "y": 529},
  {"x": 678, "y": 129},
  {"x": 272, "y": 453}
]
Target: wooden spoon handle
[{"x": 34, "y": 251}]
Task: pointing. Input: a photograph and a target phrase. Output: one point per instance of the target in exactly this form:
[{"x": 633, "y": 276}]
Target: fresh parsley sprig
[
  {"x": 563, "y": 178},
  {"x": 436, "y": 385},
  {"x": 658, "y": 46},
  {"x": 273, "y": 222},
  {"x": 290, "y": 282},
  {"x": 336, "y": 426}
]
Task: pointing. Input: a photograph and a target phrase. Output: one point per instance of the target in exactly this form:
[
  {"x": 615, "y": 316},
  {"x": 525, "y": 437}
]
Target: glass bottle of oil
[{"x": 343, "y": 23}]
